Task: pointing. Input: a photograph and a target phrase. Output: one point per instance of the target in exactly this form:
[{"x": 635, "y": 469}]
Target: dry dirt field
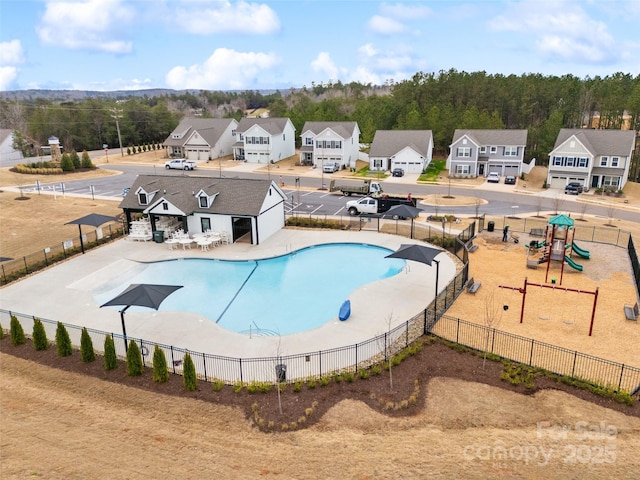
[{"x": 56, "y": 424}]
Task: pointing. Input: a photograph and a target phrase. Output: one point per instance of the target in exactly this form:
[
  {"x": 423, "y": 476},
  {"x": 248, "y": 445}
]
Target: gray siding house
[
  {"x": 410, "y": 150},
  {"x": 245, "y": 209},
  {"x": 202, "y": 139},
  {"x": 475, "y": 153},
  {"x": 595, "y": 158}
]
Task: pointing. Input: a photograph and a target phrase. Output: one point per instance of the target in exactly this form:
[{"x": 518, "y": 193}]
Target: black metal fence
[{"x": 12, "y": 270}]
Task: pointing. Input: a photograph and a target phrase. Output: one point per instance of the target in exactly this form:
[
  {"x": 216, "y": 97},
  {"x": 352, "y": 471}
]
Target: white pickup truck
[{"x": 180, "y": 164}]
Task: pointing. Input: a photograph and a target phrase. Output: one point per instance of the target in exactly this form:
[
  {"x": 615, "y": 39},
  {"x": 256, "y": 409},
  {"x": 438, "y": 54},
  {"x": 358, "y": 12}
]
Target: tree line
[{"x": 439, "y": 101}]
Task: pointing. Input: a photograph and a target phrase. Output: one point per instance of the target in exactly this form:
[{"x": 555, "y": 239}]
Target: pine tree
[
  {"x": 86, "y": 160},
  {"x": 40, "y": 341},
  {"x": 66, "y": 163},
  {"x": 75, "y": 159},
  {"x": 134, "y": 360},
  {"x": 189, "y": 374},
  {"x": 160, "y": 370},
  {"x": 63, "y": 342},
  {"x": 86, "y": 347},
  {"x": 17, "y": 333},
  {"x": 110, "y": 358}
]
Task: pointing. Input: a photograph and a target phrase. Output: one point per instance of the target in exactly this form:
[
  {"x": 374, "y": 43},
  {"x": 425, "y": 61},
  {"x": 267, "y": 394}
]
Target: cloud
[
  {"x": 376, "y": 66},
  {"x": 386, "y": 25},
  {"x": 408, "y": 12},
  {"x": 224, "y": 69},
  {"x": 225, "y": 17},
  {"x": 563, "y": 29},
  {"x": 86, "y": 25},
  {"x": 323, "y": 64},
  {"x": 7, "y": 77},
  {"x": 11, "y": 52},
  {"x": 391, "y": 19}
]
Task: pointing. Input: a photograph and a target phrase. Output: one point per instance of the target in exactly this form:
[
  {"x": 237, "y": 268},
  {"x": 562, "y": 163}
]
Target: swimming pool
[{"x": 280, "y": 295}]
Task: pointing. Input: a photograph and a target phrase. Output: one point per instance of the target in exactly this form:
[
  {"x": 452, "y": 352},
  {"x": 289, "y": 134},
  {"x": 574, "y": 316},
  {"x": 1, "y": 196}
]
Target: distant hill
[{"x": 72, "y": 95}]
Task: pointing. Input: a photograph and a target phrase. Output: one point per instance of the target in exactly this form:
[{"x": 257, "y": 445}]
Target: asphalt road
[{"x": 309, "y": 199}]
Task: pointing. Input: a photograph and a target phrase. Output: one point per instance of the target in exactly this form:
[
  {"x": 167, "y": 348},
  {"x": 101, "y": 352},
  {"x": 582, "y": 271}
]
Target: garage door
[
  {"x": 192, "y": 155},
  {"x": 558, "y": 182},
  {"x": 511, "y": 170}
]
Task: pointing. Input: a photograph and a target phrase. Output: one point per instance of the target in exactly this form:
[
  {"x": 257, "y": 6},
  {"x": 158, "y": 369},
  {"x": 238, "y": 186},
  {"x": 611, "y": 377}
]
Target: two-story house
[
  {"x": 595, "y": 158},
  {"x": 409, "y": 150},
  {"x": 475, "y": 153},
  {"x": 323, "y": 142},
  {"x": 202, "y": 139},
  {"x": 264, "y": 140}
]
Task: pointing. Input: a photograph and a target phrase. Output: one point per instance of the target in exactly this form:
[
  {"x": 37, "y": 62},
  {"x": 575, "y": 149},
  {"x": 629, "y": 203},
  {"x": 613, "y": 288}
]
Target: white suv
[
  {"x": 331, "y": 167},
  {"x": 493, "y": 177}
]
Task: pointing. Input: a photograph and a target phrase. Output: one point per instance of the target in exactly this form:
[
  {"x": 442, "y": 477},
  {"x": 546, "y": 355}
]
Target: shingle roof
[
  {"x": 600, "y": 142},
  {"x": 236, "y": 196},
  {"x": 389, "y": 142},
  {"x": 272, "y": 126},
  {"x": 211, "y": 129},
  {"x": 502, "y": 137},
  {"x": 344, "y": 129}
]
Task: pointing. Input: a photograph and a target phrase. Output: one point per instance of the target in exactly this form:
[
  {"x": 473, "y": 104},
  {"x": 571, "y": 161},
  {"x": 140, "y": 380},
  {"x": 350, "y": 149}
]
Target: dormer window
[
  {"x": 204, "y": 201},
  {"x": 142, "y": 198}
]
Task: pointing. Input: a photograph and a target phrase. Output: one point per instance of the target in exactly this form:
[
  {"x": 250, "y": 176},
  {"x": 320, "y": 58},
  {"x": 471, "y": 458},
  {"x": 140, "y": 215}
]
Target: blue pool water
[{"x": 280, "y": 295}]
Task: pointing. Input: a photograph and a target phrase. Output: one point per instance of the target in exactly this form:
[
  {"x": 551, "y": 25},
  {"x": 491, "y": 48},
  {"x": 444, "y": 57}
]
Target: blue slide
[
  {"x": 580, "y": 251},
  {"x": 573, "y": 264}
]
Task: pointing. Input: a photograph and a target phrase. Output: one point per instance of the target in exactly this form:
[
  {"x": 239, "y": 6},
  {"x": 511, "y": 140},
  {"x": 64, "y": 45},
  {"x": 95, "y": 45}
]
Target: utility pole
[{"x": 116, "y": 113}]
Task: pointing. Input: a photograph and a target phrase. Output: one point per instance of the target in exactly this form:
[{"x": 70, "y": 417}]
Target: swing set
[{"x": 523, "y": 291}]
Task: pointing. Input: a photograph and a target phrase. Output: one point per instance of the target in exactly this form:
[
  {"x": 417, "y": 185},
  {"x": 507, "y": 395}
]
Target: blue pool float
[{"x": 345, "y": 310}]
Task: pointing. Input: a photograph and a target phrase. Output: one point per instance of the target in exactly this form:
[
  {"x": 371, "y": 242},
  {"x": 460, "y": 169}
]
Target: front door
[{"x": 481, "y": 169}]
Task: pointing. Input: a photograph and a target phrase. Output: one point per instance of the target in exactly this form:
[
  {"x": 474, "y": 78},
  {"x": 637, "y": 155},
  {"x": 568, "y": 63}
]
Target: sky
[{"x": 108, "y": 45}]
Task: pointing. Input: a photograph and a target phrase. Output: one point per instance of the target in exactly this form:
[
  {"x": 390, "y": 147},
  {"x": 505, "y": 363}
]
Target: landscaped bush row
[{"x": 143, "y": 148}]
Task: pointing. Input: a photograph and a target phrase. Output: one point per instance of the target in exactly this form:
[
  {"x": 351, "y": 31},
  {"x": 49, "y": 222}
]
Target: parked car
[
  {"x": 510, "y": 180},
  {"x": 574, "y": 188},
  {"x": 331, "y": 167},
  {"x": 493, "y": 177},
  {"x": 180, "y": 164},
  {"x": 397, "y": 172}
]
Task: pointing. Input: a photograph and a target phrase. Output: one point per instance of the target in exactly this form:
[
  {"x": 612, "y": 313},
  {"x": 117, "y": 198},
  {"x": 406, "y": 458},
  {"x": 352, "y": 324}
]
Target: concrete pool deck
[{"x": 65, "y": 293}]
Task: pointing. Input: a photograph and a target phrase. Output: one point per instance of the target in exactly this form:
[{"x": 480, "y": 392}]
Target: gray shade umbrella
[
  {"x": 140, "y": 295},
  {"x": 422, "y": 254},
  {"x": 401, "y": 212},
  {"x": 93, "y": 219}
]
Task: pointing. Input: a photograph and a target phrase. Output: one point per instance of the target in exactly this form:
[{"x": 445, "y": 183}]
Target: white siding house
[
  {"x": 330, "y": 142},
  {"x": 410, "y": 150},
  {"x": 264, "y": 140},
  {"x": 594, "y": 158}
]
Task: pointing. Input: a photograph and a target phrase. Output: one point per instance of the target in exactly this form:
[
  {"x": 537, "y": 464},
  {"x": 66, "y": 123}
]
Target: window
[
  {"x": 241, "y": 137},
  {"x": 308, "y": 141},
  {"x": 510, "y": 151},
  {"x": 615, "y": 161},
  {"x": 609, "y": 181},
  {"x": 557, "y": 161},
  {"x": 377, "y": 163},
  {"x": 483, "y": 149},
  {"x": 464, "y": 151},
  {"x": 462, "y": 169},
  {"x": 494, "y": 150},
  {"x": 604, "y": 161},
  {"x": 204, "y": 201},
  {"x": 570, "y": 161},
  {"x": 205, "y": 224},
  {"x": 284, "y": 137},
  {"x": 165, "y": 206},
  {"x": 142, "y": 198},
  {"x": 583, "y": 162},
  {"x": 233, "y": 132}
]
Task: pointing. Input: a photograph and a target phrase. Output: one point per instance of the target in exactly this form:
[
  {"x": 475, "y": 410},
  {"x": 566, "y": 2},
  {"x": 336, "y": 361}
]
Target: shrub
[
  {"x": 63, "y": 342},
  {"x": 1, "y": 332},
  {"x": 189, "y": 374},
  {"x": 86, "y": 160},
  {"x": 75, "y": 159},
  {"x": 297, "y": 386},
  {"x": 66, "y": 163},
  {"x": 40, "y": 341},
  {"x": 238, "y": 386},
  {"x": 17, "y": 333},
  {"x": 311, "y": 383},
  {"x": 134, "y": 360},
  {"x": 160, "y": 369},
  {"x": 128, "y": 150},
  {"x": 363, "y": 374},
  {"x": 217, "y": 384},
  {"x": 110, "y": 358},
  {"x": 86, "y": 347}
]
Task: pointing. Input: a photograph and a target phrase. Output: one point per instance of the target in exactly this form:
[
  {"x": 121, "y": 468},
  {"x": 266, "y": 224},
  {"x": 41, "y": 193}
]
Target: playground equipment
[
  {"x": 558, "y": 239},
  {"x": 523, "y": 291}
]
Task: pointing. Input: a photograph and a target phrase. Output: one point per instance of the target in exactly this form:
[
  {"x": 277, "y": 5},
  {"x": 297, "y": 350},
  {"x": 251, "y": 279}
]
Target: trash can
[
  {"x": 158, "y": 236},
  {"x": 281, "y": 372},
  {"x": 491, "y": 226}
]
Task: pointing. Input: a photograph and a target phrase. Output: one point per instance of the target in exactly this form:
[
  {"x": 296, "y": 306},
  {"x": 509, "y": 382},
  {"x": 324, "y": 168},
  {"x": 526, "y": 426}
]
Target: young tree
[
  {"x": 477, "y": 201},
  {"x": 110, "y": 358},
  {"x": 134, "y": 360},
  {"x": 66, "y": 163},
  {"x": 86, "y": 347},
  {"x": 189, "y": 378},
  {"x": 16, "y": 332},
  {"x": 492, "y": 317},
  {"x": 63, "y": 342},
  {"x": 558, "y": 202},
  {"x": 75, "y": 159},
  {"x": 86, "y": 160},
  {"x": 160, "y": 370},
  {"x": 40, "y": 341}
]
